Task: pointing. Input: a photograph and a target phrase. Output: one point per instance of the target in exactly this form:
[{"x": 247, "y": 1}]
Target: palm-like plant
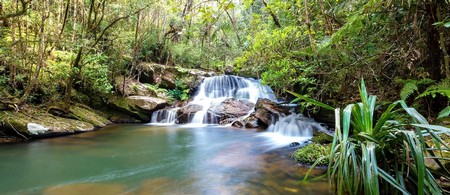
[{"x": 383, "y": 155}]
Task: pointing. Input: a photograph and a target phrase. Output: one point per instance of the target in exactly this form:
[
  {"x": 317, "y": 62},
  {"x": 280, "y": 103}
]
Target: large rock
[
  {"x": 185, "y": 113},
  {"x": 132, "y": 87},
  {"x": 38, "y": 123},
  {"x": 250, "y": 122},
  {"x": 322, "y": 137},
  {"x": 231, "y": 108},
  {"x": 166, "y": 76},
  {"x": 138, "y": 106},
  {"x": 86, "y": 114},
  {"x": 267, "y": 111}
]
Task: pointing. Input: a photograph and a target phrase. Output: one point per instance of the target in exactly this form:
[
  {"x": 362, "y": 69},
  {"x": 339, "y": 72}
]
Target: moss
[
  {"x": 311, "y": 152},
  {"x": 84, "y": 113},
  {"x": 14, "y": 122}
]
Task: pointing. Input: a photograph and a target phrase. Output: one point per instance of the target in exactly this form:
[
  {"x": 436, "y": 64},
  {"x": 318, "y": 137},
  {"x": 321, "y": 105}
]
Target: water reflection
[{"x": 139, "y": 159}]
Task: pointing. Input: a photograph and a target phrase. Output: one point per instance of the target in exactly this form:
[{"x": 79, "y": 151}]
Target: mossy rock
[
  {"x": 310, "y": 153},
  {"x": 15, "y": 123},
  {"x": 321, "y": 137},
  {"x": 84, "y": 113},
  {"x": 138, "y": 106}
]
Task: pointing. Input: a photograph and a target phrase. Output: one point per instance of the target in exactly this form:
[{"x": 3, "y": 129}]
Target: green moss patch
[{"x": 311, "y": 152}]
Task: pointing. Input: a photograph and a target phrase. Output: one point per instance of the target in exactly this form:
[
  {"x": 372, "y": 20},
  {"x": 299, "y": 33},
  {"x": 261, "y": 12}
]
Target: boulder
[
  {"x": 166, "y": 76},
  {"x": 138, "y": 106},
  {"x": 238, "y": 124},
  {"x": 250, "y": 122},
  {"x": 38, "y": 123},
  {"x": 322, "y": 137},
  {"x": 266, "y": 111},
  {"x": 185, "y": 113},
  {"x": 132, "y": 87},
  {"x": 86, "y": 114},
  {"x": 232, "y": 108}
]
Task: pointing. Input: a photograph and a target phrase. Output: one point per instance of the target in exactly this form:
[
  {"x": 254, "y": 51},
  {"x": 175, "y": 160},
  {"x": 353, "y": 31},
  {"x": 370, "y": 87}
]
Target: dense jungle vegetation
[
  {"x": 53, "y": 50},
  {"x": 319, "y": 48}
]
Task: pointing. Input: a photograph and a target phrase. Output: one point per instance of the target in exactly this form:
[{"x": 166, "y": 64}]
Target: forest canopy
[{"x": 49, "y": 48}]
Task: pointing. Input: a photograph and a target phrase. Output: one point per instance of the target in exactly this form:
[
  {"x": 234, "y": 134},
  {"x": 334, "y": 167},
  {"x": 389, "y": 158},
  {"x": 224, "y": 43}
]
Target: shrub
[{"x": 371, "y": 155}]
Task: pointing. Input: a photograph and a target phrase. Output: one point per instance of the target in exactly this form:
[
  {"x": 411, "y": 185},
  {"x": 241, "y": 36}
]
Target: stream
[{"x": 146, "y": 159}]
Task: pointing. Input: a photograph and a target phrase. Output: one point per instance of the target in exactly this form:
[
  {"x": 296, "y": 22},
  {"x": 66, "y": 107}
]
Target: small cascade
[
  {"x": 165, "y": 116},
  {"x": 293, "y": 128}
]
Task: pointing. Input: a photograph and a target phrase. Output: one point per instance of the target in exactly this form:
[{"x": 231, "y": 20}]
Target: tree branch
[{"x": 19, "y": 13}]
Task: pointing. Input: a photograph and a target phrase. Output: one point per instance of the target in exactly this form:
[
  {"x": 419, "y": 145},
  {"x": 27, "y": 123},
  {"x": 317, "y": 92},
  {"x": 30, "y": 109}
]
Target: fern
[
  {"x": 442, "y": 88},
  {"x": 410, "y": 86},
  {"x": 445, "y": 112},
  {"x": 408, "y": 89}
]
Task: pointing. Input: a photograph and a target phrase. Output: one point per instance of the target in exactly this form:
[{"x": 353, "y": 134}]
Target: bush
[
  {"x": 311, "y": 153},
  {"x": 370, "y": 155}
]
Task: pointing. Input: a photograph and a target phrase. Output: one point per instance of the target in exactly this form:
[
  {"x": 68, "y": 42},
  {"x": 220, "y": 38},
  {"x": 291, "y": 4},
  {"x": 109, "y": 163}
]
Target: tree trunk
[
  {"x": 274, "y": 17},
  {"x": 308, "y": 24}
]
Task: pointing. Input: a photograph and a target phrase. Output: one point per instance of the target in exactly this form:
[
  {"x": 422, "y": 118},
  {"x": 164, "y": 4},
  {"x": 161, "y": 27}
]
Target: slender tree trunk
[
  {"x": 308, "y": 24},
  {"x": 327, "y": 21},
  {"x": 233, "y": 23},
  {"x": 274, "y": 17},
  {"x": 442, "y": 45},
  {"x": 40, "y": 53}
]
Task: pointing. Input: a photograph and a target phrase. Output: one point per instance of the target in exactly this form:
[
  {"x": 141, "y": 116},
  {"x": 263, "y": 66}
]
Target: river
[{"x": 145, "y": 159}]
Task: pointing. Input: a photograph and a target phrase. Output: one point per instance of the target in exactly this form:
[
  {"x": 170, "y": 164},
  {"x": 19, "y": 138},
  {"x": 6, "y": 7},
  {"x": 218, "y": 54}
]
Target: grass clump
[{"x": 311, "y": 153}]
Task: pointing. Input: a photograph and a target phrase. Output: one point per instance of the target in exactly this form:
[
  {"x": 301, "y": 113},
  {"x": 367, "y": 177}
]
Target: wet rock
[
  {"x": 185, "y": 113},
  {"x": 166, "y": 76},
  {"x": 322, "y": 137},
  {"x": 325, "y": 116},
  {"x": 267, "y": 111},
  {"x": 293, "y": 144},
  {"x": 232, "y": 108},
  {"x": 251, "y": 122},
  {"x": 238, "y": 124},
  {"x": 138, "y": 106}
]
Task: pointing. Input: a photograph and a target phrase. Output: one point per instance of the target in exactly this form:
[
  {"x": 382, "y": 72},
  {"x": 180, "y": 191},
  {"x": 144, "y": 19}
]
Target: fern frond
[
  {"x": 441, "y": 88},
  {"x": 445, "y": 112},
  {"x": 408, "y": 89}
]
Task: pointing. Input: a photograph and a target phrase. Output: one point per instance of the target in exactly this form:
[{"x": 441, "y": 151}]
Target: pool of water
[{"x": 144, "y": 159}]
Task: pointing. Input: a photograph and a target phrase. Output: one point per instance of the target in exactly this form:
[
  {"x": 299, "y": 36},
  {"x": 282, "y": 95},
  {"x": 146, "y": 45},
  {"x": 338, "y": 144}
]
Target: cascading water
[
  {"x": 165, "y": 116},
  {"x": 293, "y": 128},
  {"x": 214, "y": 90}
]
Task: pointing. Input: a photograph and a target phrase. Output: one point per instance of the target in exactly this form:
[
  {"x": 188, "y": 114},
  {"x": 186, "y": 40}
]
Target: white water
[
  {"x": 165, "y": 116},
  {"x": 214, "y": 90},
  {"x": 292, "y": 128}
]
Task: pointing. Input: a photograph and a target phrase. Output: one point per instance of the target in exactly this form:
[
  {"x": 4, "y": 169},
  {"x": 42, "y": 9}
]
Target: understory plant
[{"x": 384, "y": 154}]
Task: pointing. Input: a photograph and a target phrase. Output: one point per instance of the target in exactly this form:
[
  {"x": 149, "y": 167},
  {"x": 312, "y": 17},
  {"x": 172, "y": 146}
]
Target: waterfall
[
  {"x": 165, "y": 116},
  {"x": 214, "y": 90},
  {"x": 292, "y": 128}
]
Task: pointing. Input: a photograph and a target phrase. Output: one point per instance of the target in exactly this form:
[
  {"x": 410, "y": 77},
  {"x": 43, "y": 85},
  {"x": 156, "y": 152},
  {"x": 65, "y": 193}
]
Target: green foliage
[
  {"x": 441, "y": 88},
  {"x": 95, "y": 74},
  {"x": 311, "y": 153},
  {"x": 156, "y": 88},
  {"x": 410, "y": 86},
  {"x": 370, "y": 155},
  {"x": 444, "y": 112},
  {"x": 186, "y": 55},
  {"x": 181, "y": 91}
]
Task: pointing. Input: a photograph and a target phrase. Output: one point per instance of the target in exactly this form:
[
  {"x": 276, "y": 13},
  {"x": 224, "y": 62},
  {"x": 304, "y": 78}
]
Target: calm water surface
[{"x": 143, "y": 159}]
